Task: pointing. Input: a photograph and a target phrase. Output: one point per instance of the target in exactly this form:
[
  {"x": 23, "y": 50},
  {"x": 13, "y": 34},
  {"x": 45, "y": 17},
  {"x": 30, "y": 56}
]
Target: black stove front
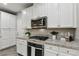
[{"x": 35, "y": 49}]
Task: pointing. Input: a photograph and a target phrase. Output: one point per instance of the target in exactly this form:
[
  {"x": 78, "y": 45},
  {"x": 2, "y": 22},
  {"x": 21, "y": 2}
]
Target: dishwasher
[{"x": 34, "y": 49}]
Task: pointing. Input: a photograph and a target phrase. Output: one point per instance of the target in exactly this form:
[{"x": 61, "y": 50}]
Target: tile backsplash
[
  {"x": 77, "y": 34},
  {"x": 47, "y": 31}
]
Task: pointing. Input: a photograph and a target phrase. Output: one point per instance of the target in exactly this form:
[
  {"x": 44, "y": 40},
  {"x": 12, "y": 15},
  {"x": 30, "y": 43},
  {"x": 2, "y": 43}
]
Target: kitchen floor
[{"x": 9, "y": 52}]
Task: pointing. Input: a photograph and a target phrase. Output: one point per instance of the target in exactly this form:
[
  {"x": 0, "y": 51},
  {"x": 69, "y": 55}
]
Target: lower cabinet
[
  {"x": 7, "y": 38},
  {"x": 22, "y": 47},
  {"x": 51, "y": 50}
]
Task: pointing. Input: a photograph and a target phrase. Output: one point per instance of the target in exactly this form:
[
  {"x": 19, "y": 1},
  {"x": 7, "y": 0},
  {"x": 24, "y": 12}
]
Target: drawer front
[
  {"x": 51, "y": 47},
  {"x": 49, "y": 53},
  {"x": 64, "y": 54},
  {"x": 22, "y": 41},
  {"x": 69, "y": 51}
]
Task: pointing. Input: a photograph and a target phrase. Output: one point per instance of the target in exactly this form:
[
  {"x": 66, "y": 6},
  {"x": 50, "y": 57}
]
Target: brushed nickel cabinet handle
[{"x": 67, "y": 51}]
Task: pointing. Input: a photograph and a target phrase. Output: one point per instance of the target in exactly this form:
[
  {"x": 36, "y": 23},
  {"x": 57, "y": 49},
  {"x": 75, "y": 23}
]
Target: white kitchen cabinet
[
  {"x": 66, "y": 15},
  {"x": 12, "y": 37},
  {"x": 12, "y": 21},
  {"x": 36, "y": 11},
  {"x": 7, "y": 30},
  {"x": 22, "y": 47},
  {"x": 53, "y": 20},
  {"x": 8, "y": 38},
  {"x": 40, "y": 10},
  {"x": 28, "y": 16},
  {"x": 59, "y": 15},
  {"x": 4, "y": 38},
  {"x": 8, "y": 20},
  {"x": 50, "y": 53},
  {"x": 51, "y": 50},
  {"x": 21, "y": 24},
  {"x": 69, "y": 51},
  {"x": 62, "y": 15}
]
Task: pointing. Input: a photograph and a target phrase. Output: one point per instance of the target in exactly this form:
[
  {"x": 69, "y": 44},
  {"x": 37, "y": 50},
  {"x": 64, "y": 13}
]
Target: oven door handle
[{"x": 36, "y": 47}]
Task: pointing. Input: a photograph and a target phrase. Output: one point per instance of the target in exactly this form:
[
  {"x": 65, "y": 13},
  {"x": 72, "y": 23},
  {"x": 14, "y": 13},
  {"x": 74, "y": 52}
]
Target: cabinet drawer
[
  {"x": 22, "y": 41},
  {"x": 69, "y": 51},
  {"x": 64, "y": 54},
  {"x": 51, "y": 47},
  {"x": 49, "y": 53}
]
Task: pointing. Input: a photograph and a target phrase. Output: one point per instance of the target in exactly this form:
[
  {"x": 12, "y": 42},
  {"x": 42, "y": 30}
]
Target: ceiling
[{"x": 14, "y": 7}]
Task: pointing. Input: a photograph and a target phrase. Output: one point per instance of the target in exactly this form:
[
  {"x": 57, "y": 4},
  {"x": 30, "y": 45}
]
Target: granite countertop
[{"x": 59, "y": 43}]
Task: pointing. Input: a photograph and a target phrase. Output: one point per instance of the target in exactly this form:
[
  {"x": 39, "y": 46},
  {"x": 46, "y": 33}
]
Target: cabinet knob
[{"x": 67, "y": 51}]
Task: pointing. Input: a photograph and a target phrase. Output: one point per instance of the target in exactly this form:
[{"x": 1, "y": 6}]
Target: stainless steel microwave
[{"x": 39, "y": 23}]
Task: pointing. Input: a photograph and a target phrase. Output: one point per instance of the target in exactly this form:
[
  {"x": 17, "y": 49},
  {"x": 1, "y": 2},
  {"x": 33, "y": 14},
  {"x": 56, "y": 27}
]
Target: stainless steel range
[{"x": 34, "y": 49}]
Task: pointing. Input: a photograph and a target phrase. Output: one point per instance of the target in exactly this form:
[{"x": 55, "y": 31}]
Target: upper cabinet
[
  {"x": 8, "y": 20},
  {"x": 62, "y": 15},
  {"x": 59, "y": 15},
  {"x": 66, "y": 15},
  {"x": 29, "y": 12},
  {"x": 52, "y": 15}
]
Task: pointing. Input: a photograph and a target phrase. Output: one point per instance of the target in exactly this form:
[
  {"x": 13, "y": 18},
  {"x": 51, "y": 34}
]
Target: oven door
[
  {"x": 39, "y": 52},
  {"x": 35, "y": 50},
  {"x": 30, "y": 51}
]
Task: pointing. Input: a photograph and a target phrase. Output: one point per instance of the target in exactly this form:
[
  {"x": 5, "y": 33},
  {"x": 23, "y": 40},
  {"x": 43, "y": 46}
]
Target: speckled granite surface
[{"x": 70, "y": 45}]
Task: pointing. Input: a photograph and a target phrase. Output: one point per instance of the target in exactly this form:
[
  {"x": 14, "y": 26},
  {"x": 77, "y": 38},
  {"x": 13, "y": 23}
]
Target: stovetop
[{"x": 43, "y": 38}]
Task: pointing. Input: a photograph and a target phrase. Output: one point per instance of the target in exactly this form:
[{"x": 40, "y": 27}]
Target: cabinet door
[
  {"x": 36, "y": 10},
  {"x": 21, "y": 20},
  {"x": 50, "y": 50},
  {"x": 12, "y": 37},
  {"x": 8, "y": 20},
  {"x": 7, "y": 38},
  {"x": 4, "y": 38},
  {"x": 66, "y": 15},
  {"x": 28, "y": 17},
  {"x": 40, "y": 10},
  {"x": 53, "y": 20},
  {"x": 4, "y": 20},
  {"x": 12, "y": 21},
  {"x": 22, "y": 47}
]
